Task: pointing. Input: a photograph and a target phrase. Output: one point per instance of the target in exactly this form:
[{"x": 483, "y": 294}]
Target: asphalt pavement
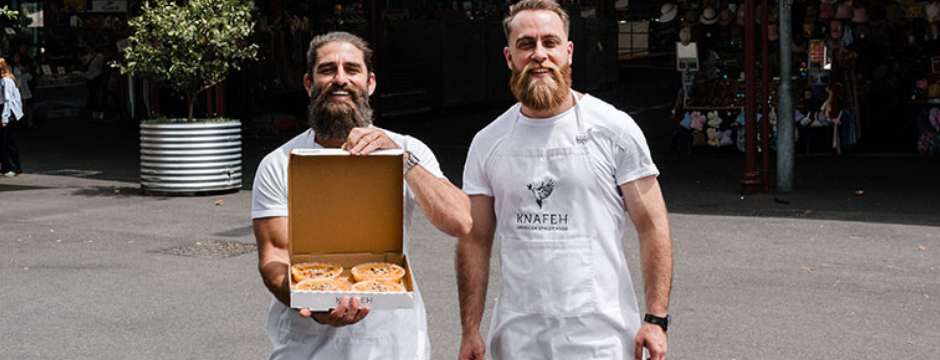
[{"x": 844, "y": 267}]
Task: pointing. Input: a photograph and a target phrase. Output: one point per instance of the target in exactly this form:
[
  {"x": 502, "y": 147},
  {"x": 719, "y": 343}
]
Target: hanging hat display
[
  {"x": 708, "y": 17},
  {"x": 859, "y": 15},
  {"x": 740, "y": 17},
  {"x": 932, "y": 12},
  {"x": 826, "y": 11},
  {"x": 668, "y": 12},
  {"x": 773, "y": 32},
  {"x": 690, "y": 17},
  {"x": 725, "y": 17},
  {"x": 835, "y": 29},
  {"x": 812, "y": 13},
  {"x": 843, "y": 12}
]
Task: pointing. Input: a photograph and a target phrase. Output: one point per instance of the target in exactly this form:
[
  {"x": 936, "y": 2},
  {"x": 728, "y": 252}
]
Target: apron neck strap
[
  {"x": 579, "y": 117},
  {"x": 582, "y": 135}
]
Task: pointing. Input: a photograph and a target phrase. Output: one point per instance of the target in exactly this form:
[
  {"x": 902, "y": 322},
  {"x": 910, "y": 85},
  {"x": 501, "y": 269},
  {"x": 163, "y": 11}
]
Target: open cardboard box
[{"x": 347, "y": 210}]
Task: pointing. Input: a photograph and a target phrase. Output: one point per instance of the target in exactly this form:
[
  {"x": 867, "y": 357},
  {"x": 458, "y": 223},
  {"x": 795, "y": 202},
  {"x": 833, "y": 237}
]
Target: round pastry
[
  {"x": 378, "y": 286},
  {"x": 315, "y": 270},
  {"x": 323, "y": 285},
  {"x": 378, "y": 271}
]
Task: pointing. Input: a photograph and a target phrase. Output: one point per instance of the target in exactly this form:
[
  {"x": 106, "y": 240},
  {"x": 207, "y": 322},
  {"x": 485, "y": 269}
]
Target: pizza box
[{"x": 347, "y": 210}]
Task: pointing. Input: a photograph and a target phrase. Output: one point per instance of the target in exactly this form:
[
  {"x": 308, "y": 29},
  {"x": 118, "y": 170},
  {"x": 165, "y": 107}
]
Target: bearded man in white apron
[
  {"x": 339, "y": 82},
  {"x": 553, "y": 179}
]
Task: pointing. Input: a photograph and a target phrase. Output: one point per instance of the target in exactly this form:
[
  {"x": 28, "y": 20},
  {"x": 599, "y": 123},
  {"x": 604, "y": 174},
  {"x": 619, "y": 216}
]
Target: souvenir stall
[
  {"x": 73, "y": 33},
  {"x": 710, "y": 57},
  {"x": 910, "y": 31}
]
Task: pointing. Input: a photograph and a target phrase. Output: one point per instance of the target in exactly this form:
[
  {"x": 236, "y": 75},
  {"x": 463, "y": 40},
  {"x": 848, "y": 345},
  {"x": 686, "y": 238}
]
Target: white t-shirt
[
  {"x": 616, "y": 143},
  {"x": 295, "y": 337}
]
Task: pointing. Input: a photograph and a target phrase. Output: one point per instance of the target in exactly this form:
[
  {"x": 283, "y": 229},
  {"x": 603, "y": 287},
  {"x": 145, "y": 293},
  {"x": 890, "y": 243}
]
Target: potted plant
[{"x": 189, "y": 48}]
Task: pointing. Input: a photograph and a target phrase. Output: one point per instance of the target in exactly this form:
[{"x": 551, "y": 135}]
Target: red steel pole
[{"x": 751, "y": 180}]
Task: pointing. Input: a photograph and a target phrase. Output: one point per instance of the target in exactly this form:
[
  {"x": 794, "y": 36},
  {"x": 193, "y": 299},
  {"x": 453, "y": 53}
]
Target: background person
[{"x": 12, "y": 111}]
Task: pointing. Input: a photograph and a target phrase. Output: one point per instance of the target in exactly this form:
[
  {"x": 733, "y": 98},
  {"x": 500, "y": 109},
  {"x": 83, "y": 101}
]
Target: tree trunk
[{"x": 192, "y": 102}]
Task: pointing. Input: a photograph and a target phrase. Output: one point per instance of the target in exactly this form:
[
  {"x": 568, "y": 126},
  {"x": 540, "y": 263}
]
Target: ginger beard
[
  {"x": 333, "y": 120},
  {"x": 541, "y": 93}
]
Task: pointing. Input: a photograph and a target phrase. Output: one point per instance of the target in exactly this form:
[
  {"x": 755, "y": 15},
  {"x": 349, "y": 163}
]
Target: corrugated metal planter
[{"x": 191, "y": 158}]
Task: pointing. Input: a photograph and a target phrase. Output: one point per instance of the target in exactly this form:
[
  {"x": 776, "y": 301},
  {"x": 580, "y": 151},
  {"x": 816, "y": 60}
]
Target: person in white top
[
  {"x": 339, "y": 82},
  {"x": 554, "y": 179}
]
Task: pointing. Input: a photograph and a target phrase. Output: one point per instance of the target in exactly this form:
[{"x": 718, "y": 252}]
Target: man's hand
[
  {"x": 4, "y": 124},
  {"x": 362, "y": 141},
  {"x": 347, "y": 313},
  {"x": 472, "y": 347},
  {"x": 652, "y": 337}
]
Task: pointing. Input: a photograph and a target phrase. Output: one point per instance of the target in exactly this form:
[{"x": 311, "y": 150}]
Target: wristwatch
[
  {"x": 411, "y": 162},
  {"x": 661, "y": 321}
]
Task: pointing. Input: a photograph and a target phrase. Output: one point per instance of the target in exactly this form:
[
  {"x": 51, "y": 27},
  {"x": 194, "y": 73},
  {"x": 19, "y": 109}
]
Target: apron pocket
[
  {"x": 380, "y": 335},
  {"x": 548, "y": 276}
]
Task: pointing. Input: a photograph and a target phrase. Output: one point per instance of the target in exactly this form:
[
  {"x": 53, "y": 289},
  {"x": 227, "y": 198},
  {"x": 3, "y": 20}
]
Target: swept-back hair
[
  {"x": 337, "y": 36},
  {"x": 524, "y": 5}
]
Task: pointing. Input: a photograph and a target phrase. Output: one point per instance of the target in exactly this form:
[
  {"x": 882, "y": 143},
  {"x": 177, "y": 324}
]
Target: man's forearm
[
  {"x": 273, "y": 258},
  {"x": 473, "y": 268},
  {"x": 656, "y": 260},
  {"x": 275, "y": 278},
  {"x": 444, "y": 204}
]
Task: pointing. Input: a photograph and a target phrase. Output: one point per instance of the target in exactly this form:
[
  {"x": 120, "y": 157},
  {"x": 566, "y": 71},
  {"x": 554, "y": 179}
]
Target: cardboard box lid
[{"x": 339, "y": 203}]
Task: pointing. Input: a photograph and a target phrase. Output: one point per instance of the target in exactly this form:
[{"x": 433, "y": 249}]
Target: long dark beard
[
  {"x": 333, "y": 120},
  {"x": 541, "y": 93}
]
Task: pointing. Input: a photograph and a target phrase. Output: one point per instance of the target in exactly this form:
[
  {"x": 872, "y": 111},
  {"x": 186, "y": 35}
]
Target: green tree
[
  {"x": 191, "y": 47},
  {"x": 9, "y": 13}
]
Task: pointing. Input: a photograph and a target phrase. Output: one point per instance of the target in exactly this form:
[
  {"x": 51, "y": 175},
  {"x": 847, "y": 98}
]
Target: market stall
[{"x": 865, "y": 73}]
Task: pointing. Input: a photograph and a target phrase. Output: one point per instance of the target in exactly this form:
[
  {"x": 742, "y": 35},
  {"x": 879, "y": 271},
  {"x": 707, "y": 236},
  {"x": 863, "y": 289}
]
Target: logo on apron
[
  {"x": 539, "y": 221},
  {"x": 543, "y": 191}
]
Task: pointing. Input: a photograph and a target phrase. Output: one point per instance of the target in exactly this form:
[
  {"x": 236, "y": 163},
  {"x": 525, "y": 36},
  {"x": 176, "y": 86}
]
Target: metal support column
[{"x": 785, "y": 154}]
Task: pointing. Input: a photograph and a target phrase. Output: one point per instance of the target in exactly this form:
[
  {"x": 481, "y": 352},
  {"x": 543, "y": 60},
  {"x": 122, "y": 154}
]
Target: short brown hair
[
  {"x": 342, "y": 37},
  {"x": 524, "y": 5}
]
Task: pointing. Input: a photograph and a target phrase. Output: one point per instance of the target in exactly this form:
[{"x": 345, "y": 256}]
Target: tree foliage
[
  {"x": 9, "y": 13},
  {"x": 189, "y": 48}
]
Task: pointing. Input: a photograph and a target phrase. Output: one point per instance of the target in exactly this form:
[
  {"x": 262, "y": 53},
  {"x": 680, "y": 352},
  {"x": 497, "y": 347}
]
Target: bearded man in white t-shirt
[
  {"x": 339, "y": 82},
  {"x": 553, "y": 179}
]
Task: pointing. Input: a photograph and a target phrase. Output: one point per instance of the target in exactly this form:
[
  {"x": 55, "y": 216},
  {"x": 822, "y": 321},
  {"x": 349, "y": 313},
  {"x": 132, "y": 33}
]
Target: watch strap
[
  {"x": 411, "y": 162},
  {"x": 663, "y": 322}
]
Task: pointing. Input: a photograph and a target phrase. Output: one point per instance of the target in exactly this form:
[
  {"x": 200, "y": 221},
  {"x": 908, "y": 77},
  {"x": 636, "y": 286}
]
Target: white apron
[
  {"x": 566, "y": 291},
  {"x": 381, "y": 335}
]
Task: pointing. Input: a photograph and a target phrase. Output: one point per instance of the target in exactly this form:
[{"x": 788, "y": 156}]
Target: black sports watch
[{"x": 661, "y": 321}]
